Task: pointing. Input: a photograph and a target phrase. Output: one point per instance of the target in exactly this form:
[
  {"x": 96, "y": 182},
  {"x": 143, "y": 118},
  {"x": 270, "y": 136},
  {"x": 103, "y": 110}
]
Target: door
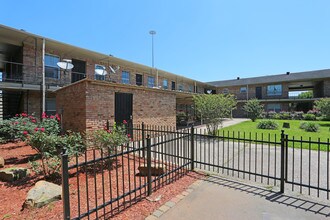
[
  {"x": 173, "y": 85},
  {"x": 259, "y": 92},
  {"x": 124, "y": 109},
  {"x": 78, "y": 70},
  {"x": 139, "y": 79}
]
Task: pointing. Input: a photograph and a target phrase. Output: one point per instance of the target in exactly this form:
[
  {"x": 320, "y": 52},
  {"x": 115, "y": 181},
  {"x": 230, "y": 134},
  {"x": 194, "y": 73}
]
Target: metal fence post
[
  {"x": 149, "y": 165},
  {"x": 192, "y": 149},
  {"x": 282, "y": 162},
  {"x": 143, "y": 137},
  {"x": 65, "y": 185},
  {"x": 286, "y": 156}
]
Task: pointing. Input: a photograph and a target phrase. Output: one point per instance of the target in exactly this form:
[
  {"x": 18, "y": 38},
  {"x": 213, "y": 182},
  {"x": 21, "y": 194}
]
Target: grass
[{"x": 294, "y": 132}]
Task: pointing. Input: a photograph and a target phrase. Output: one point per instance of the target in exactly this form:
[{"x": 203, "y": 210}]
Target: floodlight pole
[
  {"x": 152, "y": 32},
  {"x": 152, "y": 46}
]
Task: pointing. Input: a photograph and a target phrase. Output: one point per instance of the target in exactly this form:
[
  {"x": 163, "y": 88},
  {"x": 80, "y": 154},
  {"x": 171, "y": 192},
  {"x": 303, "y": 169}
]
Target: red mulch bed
[{"x": 13, "y": 194}]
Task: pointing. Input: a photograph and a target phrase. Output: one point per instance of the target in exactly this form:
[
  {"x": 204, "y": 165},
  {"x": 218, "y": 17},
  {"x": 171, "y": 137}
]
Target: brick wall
[
  {"x": 88, "y": 104},
  {"x": 71, "y": 101},
  {"x": 235, "y": 90},
  {"x": 326, "y": 87}
]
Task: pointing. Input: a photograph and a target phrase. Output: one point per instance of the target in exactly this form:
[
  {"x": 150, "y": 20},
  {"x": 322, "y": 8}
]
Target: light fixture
[{"x": 66, "y": 64}]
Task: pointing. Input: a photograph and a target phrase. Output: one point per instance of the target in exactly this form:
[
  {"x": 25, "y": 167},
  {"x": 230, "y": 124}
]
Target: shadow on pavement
[{"x": 271, "y": 196}]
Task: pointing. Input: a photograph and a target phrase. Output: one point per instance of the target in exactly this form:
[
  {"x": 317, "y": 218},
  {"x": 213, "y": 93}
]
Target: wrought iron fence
[{"x": 102, "y": 184}]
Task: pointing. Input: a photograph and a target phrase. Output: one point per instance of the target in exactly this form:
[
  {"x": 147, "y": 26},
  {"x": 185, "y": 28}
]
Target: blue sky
[{"x": 204, "y": 40}]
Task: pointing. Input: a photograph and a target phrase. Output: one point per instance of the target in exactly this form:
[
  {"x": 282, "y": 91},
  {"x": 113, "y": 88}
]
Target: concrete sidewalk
[{"x": 219, "y": 198}]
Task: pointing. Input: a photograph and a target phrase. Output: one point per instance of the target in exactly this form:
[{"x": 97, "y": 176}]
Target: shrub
[
  {"x": 310, "y": 126},
  {"x": 297, "y": 115},
  {"x": 323, "y": 105},
  {"x": 49, "y": 147},
  {"x": 309, "y": 117},
  {"x": 18, "y": 127},
  {"x": 267, "y": 124},
  {"x": 253, "y": 108},
  {"x": 107, "y": 140},
  {"x": 285, "y": 115}
]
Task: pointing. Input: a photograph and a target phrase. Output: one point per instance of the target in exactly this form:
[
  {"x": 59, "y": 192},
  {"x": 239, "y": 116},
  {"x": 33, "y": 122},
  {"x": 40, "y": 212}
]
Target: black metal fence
[
  {"x": 101, "y": 184},
  {"x": 104, "y": 184}
]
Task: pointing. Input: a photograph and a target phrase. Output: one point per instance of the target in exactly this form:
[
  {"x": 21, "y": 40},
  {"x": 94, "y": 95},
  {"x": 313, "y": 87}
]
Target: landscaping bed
[{"x": 13, "y": 194}]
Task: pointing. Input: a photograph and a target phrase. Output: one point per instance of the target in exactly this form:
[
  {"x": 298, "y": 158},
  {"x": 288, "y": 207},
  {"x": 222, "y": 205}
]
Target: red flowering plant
[
  {"x": 108, "y": 139},
  {"x": 18, "y": 127}
]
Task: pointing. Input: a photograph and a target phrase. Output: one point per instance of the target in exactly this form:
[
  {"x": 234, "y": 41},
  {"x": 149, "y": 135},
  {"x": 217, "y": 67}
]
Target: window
[
  {"x": 100, "y": 72},
  {"x": 225, "y": 91},
  {"x": 51, "y": 68},
  {"x": 125, "y": 77},
  {"x": 191, "y": 88},
  {"x": 274, "y": 107},
  {"x": 151, "y": 81},
  {"x": 243, "y": 90},
  {"x": 180, "y": 87},
  {"x": 50, "y": 106},
  {"x": 139, "y": 79},
  {"x": 165, "y": 84},
  {"x": 273, "y": 90}
]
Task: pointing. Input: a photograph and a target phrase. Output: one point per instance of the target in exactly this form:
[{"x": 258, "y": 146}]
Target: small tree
[
  {"x": 324, "y": 106},
  {"x": 253, "y": 108},
  {"x": 214, "y": 108}
]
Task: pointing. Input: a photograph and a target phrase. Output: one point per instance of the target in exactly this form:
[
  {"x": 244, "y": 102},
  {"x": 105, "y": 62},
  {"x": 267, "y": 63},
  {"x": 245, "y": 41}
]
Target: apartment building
[
  {"x": 278, "y": 92},
  {"x": 96, "y": 82}
]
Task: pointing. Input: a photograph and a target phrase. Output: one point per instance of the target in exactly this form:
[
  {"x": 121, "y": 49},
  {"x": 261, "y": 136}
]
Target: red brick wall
[
  {"x": 71, "y": 100},
  {"x": 88, "y": 104}
]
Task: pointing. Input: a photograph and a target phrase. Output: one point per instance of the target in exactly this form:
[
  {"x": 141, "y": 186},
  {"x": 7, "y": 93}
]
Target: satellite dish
[
  {"x": 100, "y": 70},
  {"x": 209, "y": 91},
  {"x": 114, "y": 70},
  {"x": 65, "y": 64}
]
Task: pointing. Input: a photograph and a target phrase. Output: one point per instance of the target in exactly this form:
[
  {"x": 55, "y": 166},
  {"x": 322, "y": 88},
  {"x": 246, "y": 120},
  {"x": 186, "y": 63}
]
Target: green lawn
[{"x": 294, "y": 132}]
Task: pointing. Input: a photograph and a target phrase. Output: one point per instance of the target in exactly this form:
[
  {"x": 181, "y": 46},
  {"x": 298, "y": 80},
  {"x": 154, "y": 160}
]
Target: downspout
[
  {"x": 43, "y": 77},
  {"x": 157, "y": 78}
]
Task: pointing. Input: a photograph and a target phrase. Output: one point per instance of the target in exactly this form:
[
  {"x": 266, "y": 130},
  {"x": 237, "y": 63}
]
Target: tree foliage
[
  {"x": 253, "y": 108},
  {"x": 305, "y": 95},
  {"x": 323, "y": 105},
  {"x": 214, "y": 108}
]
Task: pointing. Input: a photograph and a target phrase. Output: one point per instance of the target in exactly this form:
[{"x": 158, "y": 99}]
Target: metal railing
[{"x": 109, "y": 183}]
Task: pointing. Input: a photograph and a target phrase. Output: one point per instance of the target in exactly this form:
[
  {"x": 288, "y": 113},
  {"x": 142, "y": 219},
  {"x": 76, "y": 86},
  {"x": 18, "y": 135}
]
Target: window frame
[
  {"x": 272, "y": 88},
  {"x": 125, "y": 80},
  {"x": 47, "y": 110},
  {"x": 243, "y": 89},
  {"x": 52, "y": 67},
  {"x": 151, "y": 81},
  {"x": 165, "y": 86}
]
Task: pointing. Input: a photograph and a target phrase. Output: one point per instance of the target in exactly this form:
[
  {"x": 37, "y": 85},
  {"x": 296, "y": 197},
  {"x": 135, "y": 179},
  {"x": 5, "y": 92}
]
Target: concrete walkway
[{"x": 219, "y": 198}]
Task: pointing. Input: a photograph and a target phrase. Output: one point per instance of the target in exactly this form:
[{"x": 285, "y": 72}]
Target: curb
[{"x": 170, "y": 204}]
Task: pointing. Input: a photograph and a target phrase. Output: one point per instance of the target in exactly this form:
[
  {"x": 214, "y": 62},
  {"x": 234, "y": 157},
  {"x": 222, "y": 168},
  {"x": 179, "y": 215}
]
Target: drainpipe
[
  {"x": 43, "y": 77},
  {"x": 247, "y": 92},
  {"x": 157, "y": 78}
]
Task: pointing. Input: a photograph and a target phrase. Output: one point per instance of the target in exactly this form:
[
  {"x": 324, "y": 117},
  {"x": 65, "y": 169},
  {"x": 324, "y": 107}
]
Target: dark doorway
[
  {"x": 259, "y": 92},
  {"x": 139, "y": 79},
  {"x": 78, "y": 70},
  {"x": 124, "y": 109},
  {"x": 173, "y": 85}
]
